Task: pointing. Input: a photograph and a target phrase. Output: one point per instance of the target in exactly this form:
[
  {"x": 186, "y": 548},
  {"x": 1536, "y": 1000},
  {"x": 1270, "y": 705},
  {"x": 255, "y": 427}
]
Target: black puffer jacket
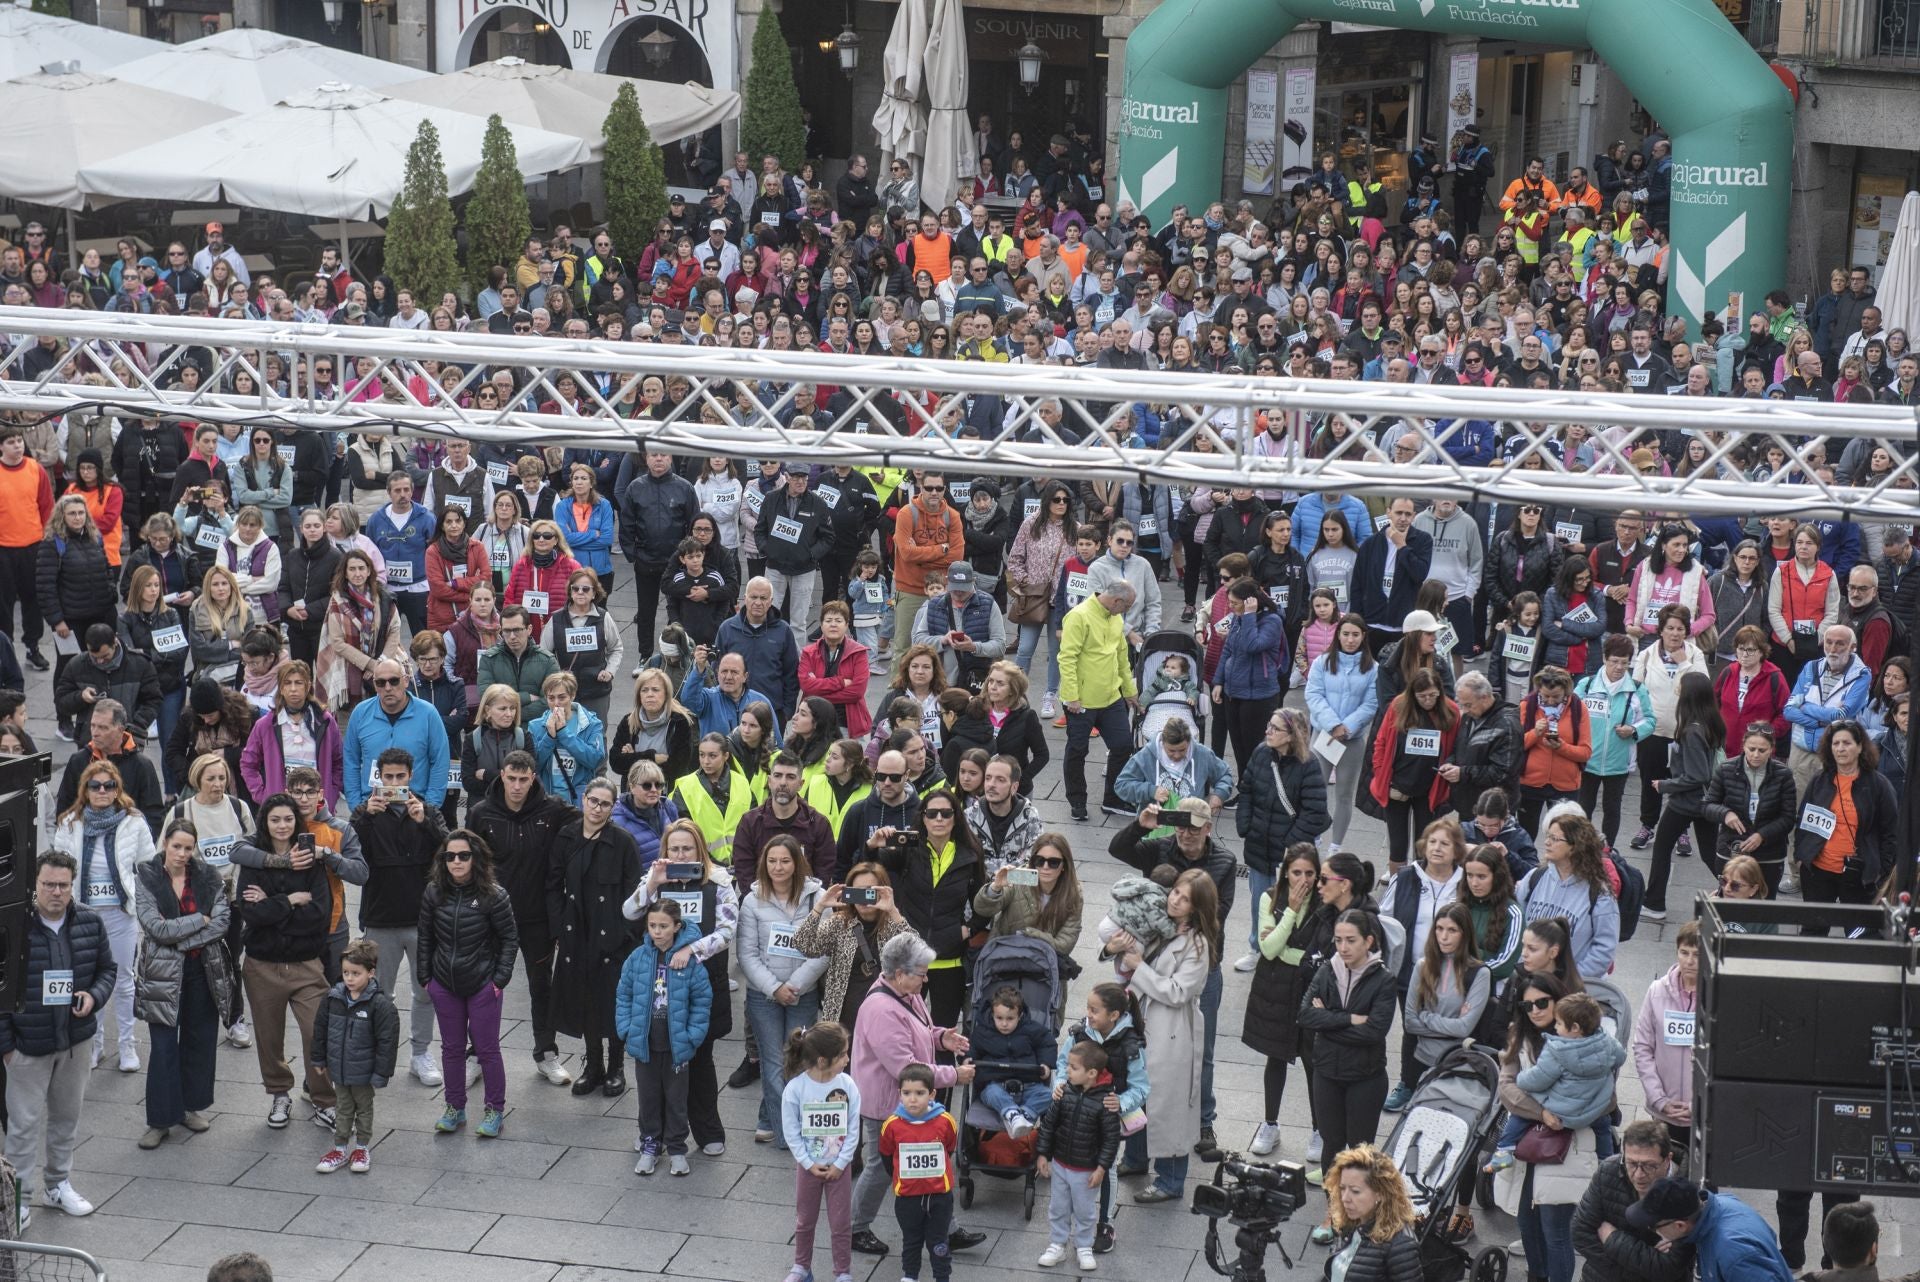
[
  {"x": 279, "y": 931},
  {"x": 1729, "y": 792},
  {"x": 39, "y": 1029},
  {"x": 467, "y": 940},
  {"x": 1282, "y": 800},
  {"x": 522, "y": 844},
  {"x": 132, "y": 682},
  {"x": 1132, "y": 847},
  {"x": 939, "y": 913},
  {"x": 306, "y": 578},
  {"x": 1488, "y": 751},
  {"x": 1516, "y": 565},
  {"x": 1080, "y": 1131},
  {"x": 1344, "y": 1051},
  {"x": 1395, "y": 1260},
  {"x": 1628, "y": 1254},
  {"x": 73, "y": 582},
  {"x": 356, "y": 1039},
  {"x": 400, "y": 855}
]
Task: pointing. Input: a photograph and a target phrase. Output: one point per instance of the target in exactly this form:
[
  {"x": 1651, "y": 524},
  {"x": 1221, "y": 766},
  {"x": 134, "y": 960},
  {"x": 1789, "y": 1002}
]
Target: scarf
[
  {"x": 361, "y": 620},
  {"x": 100, "y": 827},
  {"x": 264, "y": 686},
  {"x": 545, "y": 559},
  {"x": 454, "y": 553},
  {"x": 651, "y": 736},
  {"x": 1178, "y": 775},
  {"x": 486, "y": 630}
]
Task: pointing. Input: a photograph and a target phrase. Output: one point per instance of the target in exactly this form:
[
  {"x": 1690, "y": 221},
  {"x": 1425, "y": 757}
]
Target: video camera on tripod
[{"x": 1259, "y": 1199}]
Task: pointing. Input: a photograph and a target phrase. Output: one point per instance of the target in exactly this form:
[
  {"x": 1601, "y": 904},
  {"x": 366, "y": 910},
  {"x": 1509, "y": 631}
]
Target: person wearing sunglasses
[
  {"x": 394, "y": 718},
  {"x": 929, "y": 535},
  {"x": 1048, "y": 909},
  {"x": 936, "y": 870},
  {"x": 467, "y": 938}
]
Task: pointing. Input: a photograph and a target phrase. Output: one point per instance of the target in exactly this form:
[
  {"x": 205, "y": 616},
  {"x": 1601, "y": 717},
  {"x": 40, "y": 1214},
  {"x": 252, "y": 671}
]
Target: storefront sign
[
  {"x": 590, "y": 29},
  {"x": 997, "y": 37},
  {"x": 1263, "y": 102}
]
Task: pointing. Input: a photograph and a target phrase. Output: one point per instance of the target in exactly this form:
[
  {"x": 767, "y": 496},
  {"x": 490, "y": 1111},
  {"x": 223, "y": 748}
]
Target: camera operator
[
  {"x": 936, "y": 873},
  {"x": 874, "y": 820},
  {"x": 1192, "y": 845}
]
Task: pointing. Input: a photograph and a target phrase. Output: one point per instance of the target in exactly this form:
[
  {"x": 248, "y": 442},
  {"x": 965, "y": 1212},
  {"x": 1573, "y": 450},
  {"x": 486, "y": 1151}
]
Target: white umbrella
[
  {"x": 901, "y": 121},
  {"x": 246, "y": 69},
  {"x": 334, "y": 152},
  {"x": 30, "y": 41},
  {"x": 571, "y": 102},
  {"x": 52, "y": 125},
  {"x": 950, "y": 142},
  {"x": 1899, "y": 292}
]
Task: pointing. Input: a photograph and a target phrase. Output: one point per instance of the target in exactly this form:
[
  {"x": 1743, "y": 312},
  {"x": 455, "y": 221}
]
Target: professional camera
[{"x": 1258, "y": 1197}]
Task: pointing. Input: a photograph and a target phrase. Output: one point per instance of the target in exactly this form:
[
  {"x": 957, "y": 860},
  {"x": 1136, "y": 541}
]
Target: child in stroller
[{"x": 1009, "y": 1048}]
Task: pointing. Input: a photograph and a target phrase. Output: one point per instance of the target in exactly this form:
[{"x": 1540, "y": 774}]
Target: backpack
[{"x": 1633, "y": 894}]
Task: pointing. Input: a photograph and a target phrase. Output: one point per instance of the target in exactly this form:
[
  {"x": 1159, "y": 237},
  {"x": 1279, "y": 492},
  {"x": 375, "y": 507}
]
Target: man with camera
[
  {"x": 965, "y": 627},
  {"x": 399, "y": 836},
  {"x": 1192, "y": 845},
  {"x": 883, "y": 819}
]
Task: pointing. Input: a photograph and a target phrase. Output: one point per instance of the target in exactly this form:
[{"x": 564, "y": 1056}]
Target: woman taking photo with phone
[
  {"x": 936, "y": 872},
  {"x": 848, "y": 925},
  {"x": 1271, "y": 1028}
]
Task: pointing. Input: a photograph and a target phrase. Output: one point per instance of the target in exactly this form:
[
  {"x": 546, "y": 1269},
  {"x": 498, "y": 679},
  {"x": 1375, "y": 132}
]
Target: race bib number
[
  {"x": 217, "y": 851},
  {"x": 691, "y": 902},
  {"x": 453, "y": 774},
  {"x": 752, "y": 501},
  {"x": 1803, "y": 627},
  {"x": 582, "y": 640},
  {"x": 1520, "y": 649},
  {"x": 501, "y": 558},
  {"x": 1339, "y": 594},
  {"x": 1423, "y": 743},
  {"x": 1224, "y": 626},
  {"x": 769, "y": 219},
  {"x": 400, "y": 573},
  {"x": 98, "y": 891},
  {"x": 787, "y": 531},
  {"x": 1568, "y": 531},
  {"x": 923, "y": 1161},
  {"x": 455, "y": 573},
  {"x": 961, "y": 491},
  {"x": 56, "y": 988},
  {"x": 780, "y": 941},
  {"x": 1596, "y": 705},
  {"x": 286, "y": 454},
  {"x": 1381, "y": 524},
  {"x": 1445, "y": 640},
  {"x": 1579, "y": 614},
  {"x": 830, "y": 495},
  {"x": 1638, "y": 377},
  {"x": 1147, "y": 527},
  {"x": 170, "y": 640},
  {"x": 1676, "y": 1028},
  {"x": 1281, "y": 596},
  {"x": 1077, "y": 588},
  {"x": 536, "y": 603},
  {"x": 1817, "y": 820},
  {"x": 1029, "y": 508},
  {"x": 824, "y": 1121},
  {"x": 460, "y": 503},
  {"x": 568, "y": 765},
  {"x": 207, "y": 537},
  {"x": 873, "y": 592},
  {"x": 498, "y": 474},
  {"x": 726, "y": 496}
]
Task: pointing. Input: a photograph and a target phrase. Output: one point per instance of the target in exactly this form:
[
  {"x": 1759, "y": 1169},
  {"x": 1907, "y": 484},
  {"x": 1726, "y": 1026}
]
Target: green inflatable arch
[{"x": 1729, "y": 116}]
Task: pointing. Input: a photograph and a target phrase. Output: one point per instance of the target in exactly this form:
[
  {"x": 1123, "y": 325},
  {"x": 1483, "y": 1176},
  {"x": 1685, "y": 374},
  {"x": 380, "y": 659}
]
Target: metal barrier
[
  {"x": 1216, "y": 430},
  {"x": 38, "y": 1262}
]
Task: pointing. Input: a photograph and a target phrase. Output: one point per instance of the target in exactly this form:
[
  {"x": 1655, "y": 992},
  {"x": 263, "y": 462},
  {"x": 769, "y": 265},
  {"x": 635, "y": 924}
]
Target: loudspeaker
[{"x": 21, "y": 778}]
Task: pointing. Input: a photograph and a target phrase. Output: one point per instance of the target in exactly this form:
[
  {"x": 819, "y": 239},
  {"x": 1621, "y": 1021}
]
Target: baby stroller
[
  {"x": 1454, "y": 1113},
  {"x": 1170, "y": 706},
  {"x": 1033, "y": 967}
]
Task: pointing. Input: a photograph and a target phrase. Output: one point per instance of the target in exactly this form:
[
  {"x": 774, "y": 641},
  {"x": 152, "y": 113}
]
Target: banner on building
[
  {"x": 1257, "y": 157},
  {"x": 1463, "y": 86},
  {"x": 1296, "y": 128},
  {"x": 591, "y": 33}
]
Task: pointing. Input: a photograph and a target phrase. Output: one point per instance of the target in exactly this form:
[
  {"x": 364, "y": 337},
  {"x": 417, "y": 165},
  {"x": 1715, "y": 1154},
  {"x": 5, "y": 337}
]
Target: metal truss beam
[{"x": 1213, "y": 433}]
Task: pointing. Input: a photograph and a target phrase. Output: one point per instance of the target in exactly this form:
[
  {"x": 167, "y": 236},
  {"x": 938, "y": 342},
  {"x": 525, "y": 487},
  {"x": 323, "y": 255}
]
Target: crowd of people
[{"x": 292, "y": 664}]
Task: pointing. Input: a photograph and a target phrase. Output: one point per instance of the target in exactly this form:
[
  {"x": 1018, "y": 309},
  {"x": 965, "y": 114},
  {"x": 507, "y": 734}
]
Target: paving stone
[
  {"x": 166, "y": 1199},
  {"x": 614, "y": 1246},
  {"x": 384, "y": 1263},
  {"x": 549, "y": 1199},
  {"x": 395, "y": 1223},
  {"x": 294, "y": 1259}
]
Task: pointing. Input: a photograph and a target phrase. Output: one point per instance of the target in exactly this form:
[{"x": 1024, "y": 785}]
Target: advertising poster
[
  {"x": 1463, "y": 79},
  {"x": 1296, "y": 128},
  {"x": 1263, "y": 102}
]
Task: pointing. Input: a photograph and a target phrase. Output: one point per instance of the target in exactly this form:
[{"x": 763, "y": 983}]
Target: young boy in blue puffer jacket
[
  {"x": 1014, "y": 1037},
  {"x": 662, "y": 1015},
  {"x": 1572, "y": 1079}
]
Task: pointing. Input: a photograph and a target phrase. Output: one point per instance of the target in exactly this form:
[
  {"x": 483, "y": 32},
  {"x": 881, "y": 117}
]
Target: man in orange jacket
[
  {"x": 1534, "y": 180},
  {"x": 26, "y": 505},
  {"x": 929, "y": 534}
]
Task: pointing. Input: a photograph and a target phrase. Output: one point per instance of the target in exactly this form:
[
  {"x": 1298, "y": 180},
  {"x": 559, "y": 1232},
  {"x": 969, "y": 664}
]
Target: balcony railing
[{"x": 1867, "y": 33}]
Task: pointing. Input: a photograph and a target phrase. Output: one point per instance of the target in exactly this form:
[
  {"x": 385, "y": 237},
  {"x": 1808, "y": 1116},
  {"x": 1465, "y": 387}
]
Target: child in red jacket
[{"x": 917, "y": 1143}]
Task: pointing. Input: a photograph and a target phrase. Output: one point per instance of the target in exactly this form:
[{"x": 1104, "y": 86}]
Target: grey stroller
[{"x": 1033, "y": 967}]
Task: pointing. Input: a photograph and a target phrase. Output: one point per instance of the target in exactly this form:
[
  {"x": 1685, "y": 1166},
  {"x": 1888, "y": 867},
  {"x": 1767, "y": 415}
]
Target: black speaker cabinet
[
  {"x": 1804, "y": 1010},
  {"x": 20, "y": 843}
]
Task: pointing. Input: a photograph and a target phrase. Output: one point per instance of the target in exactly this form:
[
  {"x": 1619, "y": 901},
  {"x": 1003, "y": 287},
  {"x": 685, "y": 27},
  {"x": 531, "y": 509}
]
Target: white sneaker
[
  {"x": 240, "y": 1035},
  {"x": 95, "y": 1061},
  {"x": 64, "y": 1197},
  {"x": 26, "y": 1218},
  {"x": 129, "y": 1060},
  {"x": 677, "y": 1164},
  {"x": 715, "y": 1149},
  {"x": 1048, "y": 707},
  {"x": 1265, "y": 1140},
  {"x": 1314, "y": 1146},
  {"x": 1086, "y": 1261},
  {"x": 648, "y": 1164},
  {"x": 1246, "y": 963},
  {"x": 1055, "y": 1252},
  {"x": 423, "y": 1067},
  {"x": 1018, "y": 1127},
  {"x": 550, "y": 1067},
  {"x": 1789, "y": 884},
  {"x": 474, "y": 1072}
]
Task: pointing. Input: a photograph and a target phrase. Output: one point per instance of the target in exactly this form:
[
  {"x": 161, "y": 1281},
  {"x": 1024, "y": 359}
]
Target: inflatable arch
[{"x": 1728, "y": 115}]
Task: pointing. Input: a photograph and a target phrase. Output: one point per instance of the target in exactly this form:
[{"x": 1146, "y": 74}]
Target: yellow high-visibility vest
[{"x": 697, "y": 804}]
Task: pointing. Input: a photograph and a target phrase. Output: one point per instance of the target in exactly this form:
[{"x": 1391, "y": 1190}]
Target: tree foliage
[
  {"x": 420, "y": 252},
  {"x": 635, "y": 177},
  {"x": 770, "y": 123},
  {"x": 498, "y": 223}
]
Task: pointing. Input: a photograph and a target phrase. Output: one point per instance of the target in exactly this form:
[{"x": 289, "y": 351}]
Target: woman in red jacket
[
  {"x": 1752, "y": 688},
  {"x": 1415, "y": 736},
  {"x": 835, "y": 669},
  {"x": 1559, "y": 740},
  {"x": 455, "y": 563},
  {"x": 539, "y": 578}
]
